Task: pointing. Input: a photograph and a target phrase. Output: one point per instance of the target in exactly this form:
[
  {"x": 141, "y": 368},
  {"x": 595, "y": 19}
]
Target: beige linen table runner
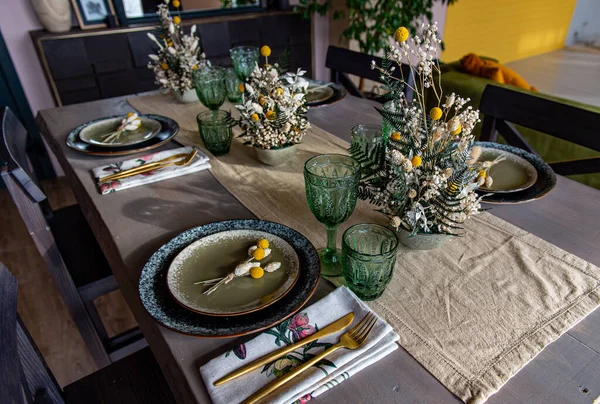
[{"x": 473, "y": 312}]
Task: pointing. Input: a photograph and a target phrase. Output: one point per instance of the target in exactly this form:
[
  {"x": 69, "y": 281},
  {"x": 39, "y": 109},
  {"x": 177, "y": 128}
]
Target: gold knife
[{"x": 334, "y": 327}]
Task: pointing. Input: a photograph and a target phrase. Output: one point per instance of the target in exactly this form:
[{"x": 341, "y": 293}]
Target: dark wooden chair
[
  {"x": 25, "y": 377},
  {"x": 67, "y": 245},
  {"x": 342, "y": 62},
  {"x": 503, "y": 108}
]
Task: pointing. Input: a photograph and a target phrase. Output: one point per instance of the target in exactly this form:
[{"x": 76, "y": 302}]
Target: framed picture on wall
[{"x": 93, "y": 13}]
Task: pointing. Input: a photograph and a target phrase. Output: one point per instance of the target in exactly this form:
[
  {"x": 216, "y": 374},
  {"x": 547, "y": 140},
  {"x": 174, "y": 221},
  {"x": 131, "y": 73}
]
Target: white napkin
[
  {"x": 199, "y": 163},
  {"x": 340, "y": 365}
]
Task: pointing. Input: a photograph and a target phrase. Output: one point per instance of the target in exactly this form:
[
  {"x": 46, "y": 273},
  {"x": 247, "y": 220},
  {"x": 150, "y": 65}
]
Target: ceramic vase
[
  {"x": 54, "y": 15},
  {"x": 186, "y": 97},
  {"x": 422, "y": 241},
  {"x": 276, "y": 157}
]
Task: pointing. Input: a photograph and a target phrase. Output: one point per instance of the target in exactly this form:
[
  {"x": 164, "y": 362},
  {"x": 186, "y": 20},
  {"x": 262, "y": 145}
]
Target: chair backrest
[
  {"x": 342, "y": 62},
  {"x": 503, "y": 107},
  {"x": 13, "y": 139},
  {"x": 24, "y": 375}
]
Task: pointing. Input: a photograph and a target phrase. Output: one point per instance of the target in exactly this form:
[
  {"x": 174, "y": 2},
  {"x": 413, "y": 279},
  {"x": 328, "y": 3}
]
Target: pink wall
[{"x": 16, "y": 19}]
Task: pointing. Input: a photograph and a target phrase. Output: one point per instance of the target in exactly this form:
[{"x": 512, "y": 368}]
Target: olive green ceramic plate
[
  {"x": 318, "y": 92},
  {"x": 512, "y": 174},
  {"x": 217, "y": 255},
  {"x": 97, "y": 131}
]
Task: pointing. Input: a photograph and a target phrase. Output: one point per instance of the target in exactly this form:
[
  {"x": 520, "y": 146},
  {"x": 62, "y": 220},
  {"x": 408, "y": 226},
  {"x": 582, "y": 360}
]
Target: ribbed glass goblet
[
  {"x": 331, "y": 182},
  {"x": 210, "y": 86},
  {"x": 244, "y": 59}
]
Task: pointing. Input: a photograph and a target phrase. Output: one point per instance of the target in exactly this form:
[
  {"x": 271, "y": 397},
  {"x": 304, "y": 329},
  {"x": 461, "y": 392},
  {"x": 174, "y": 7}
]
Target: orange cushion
[{"x": 477, "y": 66}]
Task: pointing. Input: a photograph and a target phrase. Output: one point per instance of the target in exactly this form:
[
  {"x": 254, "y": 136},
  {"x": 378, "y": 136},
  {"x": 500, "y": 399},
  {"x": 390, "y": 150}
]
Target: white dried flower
[
  {"x": 395, "y": 222},
  {"x": 272, "y": 266},
  {"x": 448, "y": 172},
  {"x": 489, "y": 181},
  {"x": 412, "y": 194},
  {"x": 251, "y": 250},
  {"x": 449, "y": 100},
  {"x": 480, "y": 181},
  {"x": 242, "y": 269},
  {"x": 453, "y": 124},
  {"x": 407, "y": 165}
]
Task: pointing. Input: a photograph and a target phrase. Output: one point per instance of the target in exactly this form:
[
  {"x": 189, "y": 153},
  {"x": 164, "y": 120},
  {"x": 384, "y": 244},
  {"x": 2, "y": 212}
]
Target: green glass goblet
[
  {"x": 244, "y": 59},
  {"x": 331, "y": 182},
  {"x": 210, "y": 86},
  {"x": 368, "y": 141},
  {"x": 233, "y": 90},
  {"x": 368, "y": 259},
  {"x": 215, "y": 131}
]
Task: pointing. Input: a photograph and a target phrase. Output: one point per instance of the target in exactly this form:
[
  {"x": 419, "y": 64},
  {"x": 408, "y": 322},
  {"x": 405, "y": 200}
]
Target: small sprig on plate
[
  {"x": 249, "y": 267},
  {"x": 131, "y": 122}
]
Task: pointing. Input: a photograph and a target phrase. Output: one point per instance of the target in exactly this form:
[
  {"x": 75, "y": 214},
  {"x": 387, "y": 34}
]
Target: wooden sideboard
[{"x": 90, "y": 65}]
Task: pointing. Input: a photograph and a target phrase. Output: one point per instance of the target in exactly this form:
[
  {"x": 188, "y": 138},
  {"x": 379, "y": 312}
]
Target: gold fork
[
  {"x": 351, "y": 339},
  {"x": 187, "y": 158}
]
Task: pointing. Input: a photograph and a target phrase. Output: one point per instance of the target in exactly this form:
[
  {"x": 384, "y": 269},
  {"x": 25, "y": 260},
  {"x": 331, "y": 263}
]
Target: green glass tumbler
[
  {"x": 232, "y": 82},
  {"x": 367, "y": 140},
  {"x": 216, "y": 131},
  {"x": 368, "y": 259},
  {"x": 331, "y": 182},
  {"x": 210, "y": 86},
  {"x": 244, "y": 59}
]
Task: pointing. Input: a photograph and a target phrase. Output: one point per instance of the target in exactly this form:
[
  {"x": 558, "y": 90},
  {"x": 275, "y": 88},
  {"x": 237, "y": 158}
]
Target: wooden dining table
[{"x": 131, "y": 225}]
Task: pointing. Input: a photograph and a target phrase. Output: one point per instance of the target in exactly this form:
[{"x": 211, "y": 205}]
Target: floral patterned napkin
[
  {"x": 331, "y": 371},
  {"x": 199, "y": 163}
]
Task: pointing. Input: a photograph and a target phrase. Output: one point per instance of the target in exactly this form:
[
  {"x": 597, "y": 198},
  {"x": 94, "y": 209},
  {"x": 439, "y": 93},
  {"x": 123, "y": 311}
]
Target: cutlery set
[{"x": 352, "y": 339}]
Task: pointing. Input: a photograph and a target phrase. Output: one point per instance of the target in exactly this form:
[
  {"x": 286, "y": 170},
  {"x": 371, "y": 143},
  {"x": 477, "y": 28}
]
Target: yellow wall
[{"x": 506, "y": 29}]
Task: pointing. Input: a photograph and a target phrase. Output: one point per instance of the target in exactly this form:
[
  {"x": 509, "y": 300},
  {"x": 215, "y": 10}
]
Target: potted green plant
[{"x": 373, "y": 22}]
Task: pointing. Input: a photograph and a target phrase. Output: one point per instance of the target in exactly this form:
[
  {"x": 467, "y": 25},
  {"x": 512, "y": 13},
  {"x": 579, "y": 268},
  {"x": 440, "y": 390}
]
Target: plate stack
[
  {"x": 171, "y": 293},
  {"x": 519, "y": 177},
  {"x": 92, "y": 137}
]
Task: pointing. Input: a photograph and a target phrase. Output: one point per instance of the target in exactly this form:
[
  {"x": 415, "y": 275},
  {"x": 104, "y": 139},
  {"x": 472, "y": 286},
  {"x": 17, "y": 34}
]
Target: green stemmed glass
[
  {"x": 244, "y": 59},
  {"x": 368, "y": 259},
  {"x": 331, "y": 190},
  {"x": 210, "y": 86},
  {"x": 232, "y": 81}
]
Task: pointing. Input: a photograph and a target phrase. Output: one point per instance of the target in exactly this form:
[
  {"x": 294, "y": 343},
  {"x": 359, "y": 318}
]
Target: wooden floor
[
  {"x": 39, "y": 304},
  {"x": 571, "y": 73},
  {"x": 566, "y": 73}
]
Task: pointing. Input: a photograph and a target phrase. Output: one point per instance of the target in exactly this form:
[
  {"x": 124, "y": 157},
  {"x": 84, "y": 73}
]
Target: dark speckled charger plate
[
  {"x": 546, "y": 179},
  {"x": 168, "y": 130},
  {"x": 165, "y": 310}
]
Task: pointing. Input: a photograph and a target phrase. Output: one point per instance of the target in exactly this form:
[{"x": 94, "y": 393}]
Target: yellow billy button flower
[
  {"x": 164, "y": 66},
  {"x": 176, "y": 3},
  {"x": 401, "y": 34},
  {"x": 169, "y": 43},
  {"x": 458, "y": 130},
  {"x": 263, "y": 243},
  {"x": 176, "y": 20},
  {"x": 195, "y": 67},
  {"x": 241, "y": 87},
  {"x": 129, "y": 114},
  {"x": 265, "y": 51},
  {"x": 395, "y": 136},
  {"x": 258, "y": 254},
  {"x": 255, "y": 117},
  {"x": 482, "y": 174},
  {"x": 261, "y": 100},
  {"x": 271, "y": 115},
  {"x": 416, "y": 161},
  {"x": 435, "y": 113},
  {"x": 279, "y": 91},
  {"x": 257, "y": 272}
]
